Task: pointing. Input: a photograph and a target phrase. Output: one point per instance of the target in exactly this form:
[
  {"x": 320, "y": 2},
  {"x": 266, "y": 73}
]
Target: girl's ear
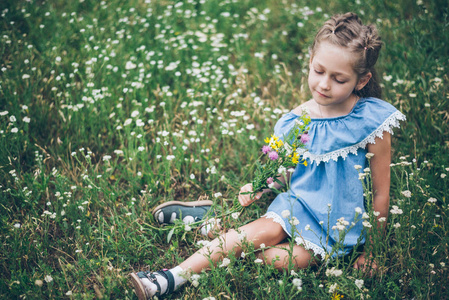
[{"x": 363, "y": 81}]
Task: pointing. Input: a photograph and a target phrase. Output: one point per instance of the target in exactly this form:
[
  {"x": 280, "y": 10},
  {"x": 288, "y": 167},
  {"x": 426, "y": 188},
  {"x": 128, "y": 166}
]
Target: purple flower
[
  {"x": 273, "y": 155},
  {"x": 305, "y": 138},
  {"x": 270, "y": 180},
  {"x": 266, "y": 149}
]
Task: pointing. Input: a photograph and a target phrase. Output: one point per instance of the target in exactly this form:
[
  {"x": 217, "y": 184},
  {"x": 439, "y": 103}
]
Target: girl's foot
[
  {"x": 189, "y": 212},
  {"x": 149, "y": 284}
]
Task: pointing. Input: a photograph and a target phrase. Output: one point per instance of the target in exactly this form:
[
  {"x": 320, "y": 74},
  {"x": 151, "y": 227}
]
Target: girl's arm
[{"x": 380, "y": 175}]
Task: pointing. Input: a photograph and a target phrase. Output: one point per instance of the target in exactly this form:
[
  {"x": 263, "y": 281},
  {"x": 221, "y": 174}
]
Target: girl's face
[{"x": 332, "y": 79}]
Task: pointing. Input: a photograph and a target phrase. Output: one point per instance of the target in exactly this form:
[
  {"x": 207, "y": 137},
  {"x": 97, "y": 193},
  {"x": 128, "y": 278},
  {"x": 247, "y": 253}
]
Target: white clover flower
[
  {"x": 26, "y": 119},
  {"x": 333, "y": 272},
  {"x": 406, "y": 193},
  {"x": 297, "y": 282},
  {"x": 3, "y": 113},
  {"x": 294, "y": 221},
  {"x": 367, "y": 224},
  {"x": 369, "y": 155},
  {"x": 396, "y": 210},
  {"x": 39, "y": 282},
  {"x": 258, "y": 261},
  {"x": 432, "y": 200},
  {"x": 285, "y": 214},
  {"x": 226, "y": 261},
  {"x": 359, "y": 283},
  {"x": 332, "y": 288},
  {"x": 48, "y": 278},
  {"x": 282, "y": 170},
  {"x": 192, "y": 176},
  {"x": 14, "y": 130}
]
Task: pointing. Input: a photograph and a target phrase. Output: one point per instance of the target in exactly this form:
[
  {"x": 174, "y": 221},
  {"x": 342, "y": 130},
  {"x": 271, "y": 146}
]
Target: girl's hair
[{"x": 363, "y": 41}]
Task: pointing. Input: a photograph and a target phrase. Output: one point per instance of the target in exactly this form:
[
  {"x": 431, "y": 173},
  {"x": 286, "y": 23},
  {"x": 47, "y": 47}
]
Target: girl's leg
[
  {"x": 260, "y": 231},
  {"x": 280, "y": 256}
]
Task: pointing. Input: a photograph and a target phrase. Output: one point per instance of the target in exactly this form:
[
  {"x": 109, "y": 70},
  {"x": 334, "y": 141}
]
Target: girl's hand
[
  {"x": 365, "y": 264},
  {"x": 247, "y": 199}
]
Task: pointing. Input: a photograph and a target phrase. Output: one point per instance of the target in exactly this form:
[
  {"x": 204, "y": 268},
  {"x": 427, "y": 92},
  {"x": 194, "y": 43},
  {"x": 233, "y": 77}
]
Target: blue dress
[{"x": 329, "y": 188}]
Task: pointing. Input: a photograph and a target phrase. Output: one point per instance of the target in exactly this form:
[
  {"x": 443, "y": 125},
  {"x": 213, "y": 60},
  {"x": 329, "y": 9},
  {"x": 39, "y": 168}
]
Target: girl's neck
[{"x": 334, "y": 112}]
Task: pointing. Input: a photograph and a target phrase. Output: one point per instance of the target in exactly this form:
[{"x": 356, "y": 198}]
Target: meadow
[{"x": 109, "y": 108}]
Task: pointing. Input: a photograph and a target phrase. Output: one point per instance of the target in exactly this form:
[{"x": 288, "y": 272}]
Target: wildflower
[
  {"x": 307, "y": 228},
  {"x": 266, "y": 149},
  {"x": 305, "y": 138},
  {"x": 218, "y": 194},
  {"x": 241, "y": 236},
  {"x": 406, "y": 193},
  {"x": 258, "y": 261},
  {"x": 107, "y": 157},
  {"x": 48, "y": 278},
  {"x": 332, "y": 288},
  {"x": 235, "y": 215},
  {"x": 443, "y": 175},
  {"x": 226, "y": 261},
  {"x": 382, "y": 219},
  {"x": 39, "y": 282},
  {"x": 3, "y": 113},
  {"x": 262, "y": 246},
  {"x": 294, "y": 221},
  {"x": 369, "y": 155},
  {"x": 285, "y": 214},
  {"x": 282, "y": 170},
  {"x": 297, "y": 282},
  {"x": 357, "y": 167},
  {"x": 171, "y": 157},
  {"x": 242, "y": 255},
  {"x": 397, "y": 225},
  {"x": 367, "y": 224},
  {"x": 396, "y": 210},
  {"x": 14, "y": 130},
  {"x": 359, "y": 283},
  {"x": 17, "y": 225},
  {"x": 333, "y": 272},
  {"x": 358, "y": 210},
  {"x": 270, "y": 180},
  {"x": 192, "y": 176},
  {"x": 69, "y": 293},
  {"x": 273, "y": 155},
  {"x": 187, "y": 228},
  {"x": 26, "y": 119},
  {"x": 432, "y": 200}
]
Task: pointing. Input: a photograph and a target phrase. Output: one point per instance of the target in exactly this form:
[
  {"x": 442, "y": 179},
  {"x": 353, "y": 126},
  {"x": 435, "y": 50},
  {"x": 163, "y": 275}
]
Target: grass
[{"x": 109, "y": 108}]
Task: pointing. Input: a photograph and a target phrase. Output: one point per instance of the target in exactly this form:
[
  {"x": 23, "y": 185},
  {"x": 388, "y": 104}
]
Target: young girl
[{"x": 348, "y": 122}]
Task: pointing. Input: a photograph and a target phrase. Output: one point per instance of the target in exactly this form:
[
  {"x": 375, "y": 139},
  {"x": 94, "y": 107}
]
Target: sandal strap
[
  {"x": 170, "y": 280},
  {"x": 151, "y": 277}
]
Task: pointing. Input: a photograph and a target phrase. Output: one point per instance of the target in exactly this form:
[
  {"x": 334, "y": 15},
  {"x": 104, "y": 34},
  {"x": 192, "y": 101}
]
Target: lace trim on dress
[
  {"x": 387, "y": 125},
  {"x": 317, "y": 250}
]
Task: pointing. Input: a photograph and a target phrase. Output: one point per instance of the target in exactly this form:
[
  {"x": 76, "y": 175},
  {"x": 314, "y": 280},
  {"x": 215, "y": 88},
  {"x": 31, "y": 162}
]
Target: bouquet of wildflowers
[{"x": 280, "y": 155}]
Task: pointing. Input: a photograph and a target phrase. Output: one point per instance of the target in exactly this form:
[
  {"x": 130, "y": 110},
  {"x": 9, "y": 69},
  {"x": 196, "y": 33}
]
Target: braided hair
[{"x": 363, "y": 41}]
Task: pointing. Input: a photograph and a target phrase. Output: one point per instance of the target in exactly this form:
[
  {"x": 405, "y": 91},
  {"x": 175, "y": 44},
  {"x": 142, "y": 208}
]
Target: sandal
[
  {"x": 168, "y": 212},
  {"x": 140, "y": 288}
]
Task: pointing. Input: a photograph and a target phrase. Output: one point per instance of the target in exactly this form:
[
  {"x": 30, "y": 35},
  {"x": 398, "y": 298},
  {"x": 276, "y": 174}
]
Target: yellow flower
[
  {"x": 267, "y": 140},
  {"x": 279, "y": 144},
  {"x": 305, "y": 163},
  {"x": 337, "y": 296},
  {"x": 295, "y": 158}
]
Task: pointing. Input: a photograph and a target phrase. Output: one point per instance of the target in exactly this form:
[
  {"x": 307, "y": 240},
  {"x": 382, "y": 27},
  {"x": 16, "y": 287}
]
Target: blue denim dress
[{"x": 323, "y": 197}]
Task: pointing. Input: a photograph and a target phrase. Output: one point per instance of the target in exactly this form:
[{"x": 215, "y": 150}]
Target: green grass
[{"x": 195, "y": 74}]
